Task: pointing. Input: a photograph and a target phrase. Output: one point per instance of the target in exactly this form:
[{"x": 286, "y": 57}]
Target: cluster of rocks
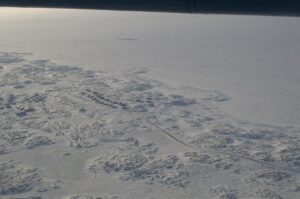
[
  {"x": 36, "y": 141},
  {"x": 140, "y": 162},
  {"x": 15, "y": 178},
  {"x": 87, "y": 196}
]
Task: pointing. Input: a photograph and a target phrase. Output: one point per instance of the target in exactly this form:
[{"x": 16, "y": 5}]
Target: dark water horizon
[{"x": 256, "y": 7}]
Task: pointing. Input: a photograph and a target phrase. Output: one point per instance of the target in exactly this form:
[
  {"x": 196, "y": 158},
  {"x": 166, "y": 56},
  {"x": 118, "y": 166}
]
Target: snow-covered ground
[{"x": 99, "y": 104}]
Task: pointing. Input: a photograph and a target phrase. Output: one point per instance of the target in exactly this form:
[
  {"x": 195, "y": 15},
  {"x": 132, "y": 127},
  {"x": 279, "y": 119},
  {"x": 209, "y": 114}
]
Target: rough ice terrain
[{"x": 71, "y": 133}]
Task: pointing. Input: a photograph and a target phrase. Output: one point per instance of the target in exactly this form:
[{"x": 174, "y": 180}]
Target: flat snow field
[{"x": 130, "y": 105}]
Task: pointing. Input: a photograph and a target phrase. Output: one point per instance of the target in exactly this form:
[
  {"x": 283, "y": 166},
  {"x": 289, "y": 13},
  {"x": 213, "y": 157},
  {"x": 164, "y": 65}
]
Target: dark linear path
[
  {"x": 196, "y": 149},
  {"x": 108, "y": 102}
]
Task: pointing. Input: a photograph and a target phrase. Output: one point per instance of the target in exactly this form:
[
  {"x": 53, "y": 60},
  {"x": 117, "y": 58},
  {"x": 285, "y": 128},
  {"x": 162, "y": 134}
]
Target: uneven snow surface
[{"x": 71, "y": 133}]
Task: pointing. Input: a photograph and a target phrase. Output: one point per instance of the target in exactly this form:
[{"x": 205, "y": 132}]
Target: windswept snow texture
[{"x": 67, "y": 132}]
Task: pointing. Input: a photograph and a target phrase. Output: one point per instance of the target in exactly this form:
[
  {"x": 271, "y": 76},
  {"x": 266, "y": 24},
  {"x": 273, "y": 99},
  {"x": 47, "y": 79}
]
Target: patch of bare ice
[{"x": 16, "y": 178}]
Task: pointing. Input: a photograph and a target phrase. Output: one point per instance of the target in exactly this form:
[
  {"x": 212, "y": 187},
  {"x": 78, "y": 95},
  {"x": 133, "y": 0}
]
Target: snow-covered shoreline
[
  {"x": 119, "y": 105},
  {"x": 254, "y": 59},
  {"x": 68, "y": 132}
]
